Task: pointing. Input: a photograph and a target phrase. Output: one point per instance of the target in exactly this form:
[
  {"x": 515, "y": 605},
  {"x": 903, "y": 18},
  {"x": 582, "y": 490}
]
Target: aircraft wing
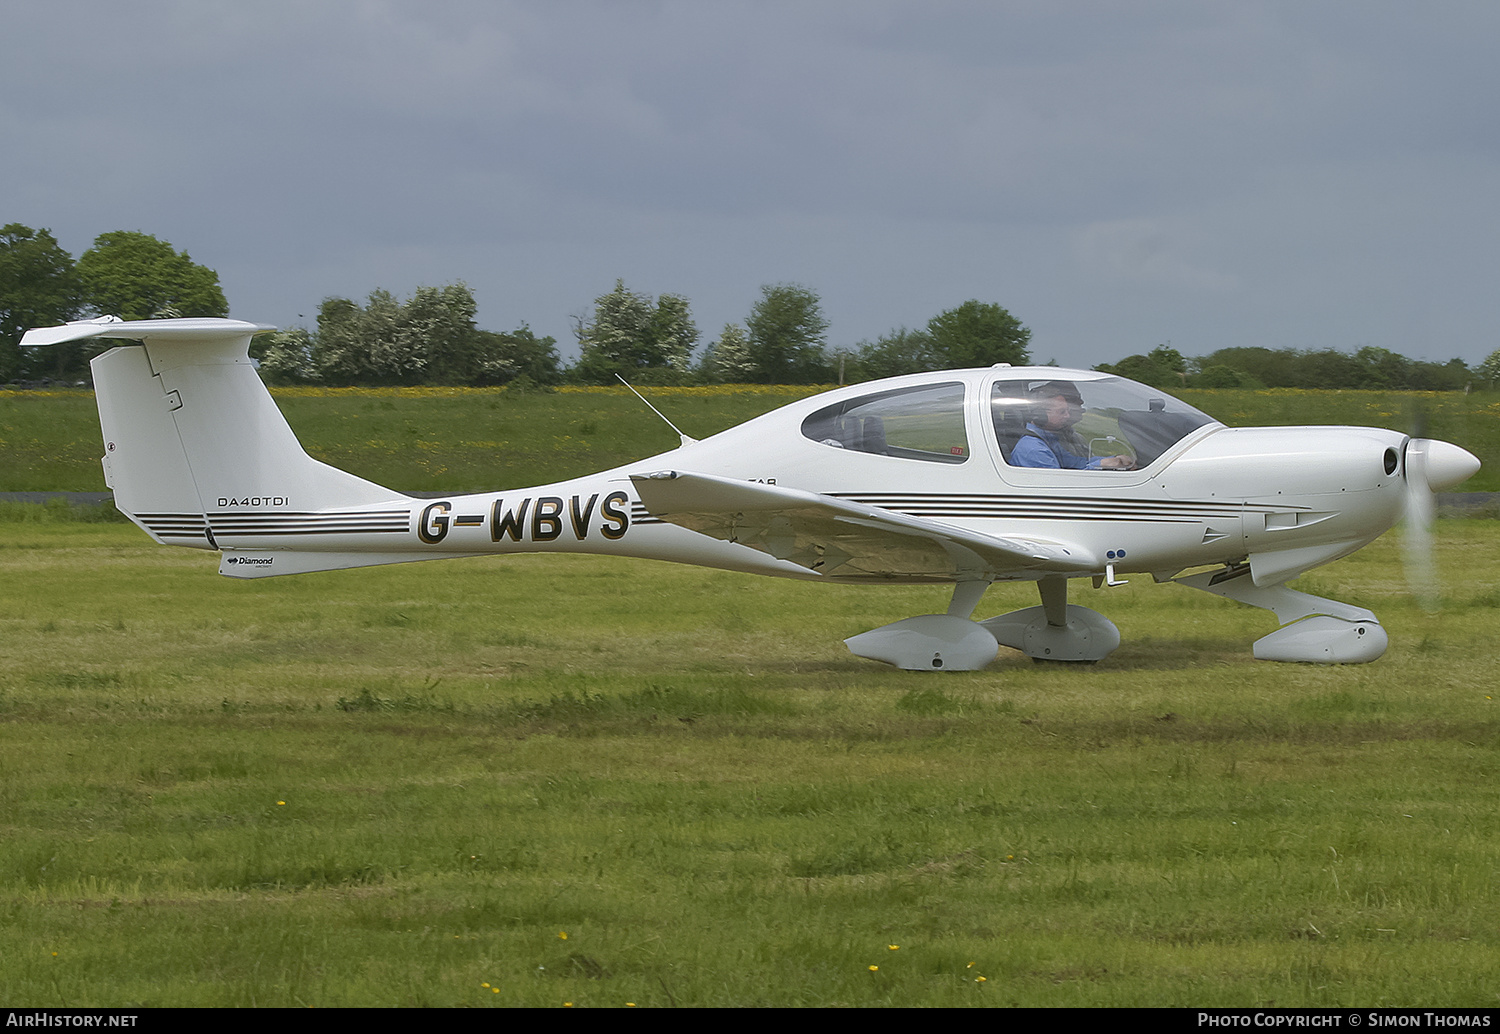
[{"x": 844, "y": 539}]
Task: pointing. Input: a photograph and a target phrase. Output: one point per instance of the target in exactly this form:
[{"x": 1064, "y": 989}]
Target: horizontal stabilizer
[{"x": 204, "y": 330}]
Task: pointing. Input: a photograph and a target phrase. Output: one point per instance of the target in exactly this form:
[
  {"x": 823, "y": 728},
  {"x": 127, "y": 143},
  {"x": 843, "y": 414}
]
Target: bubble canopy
[
  {"x": 1117, "y": 415},
  {"x": 926, "y": 421}
]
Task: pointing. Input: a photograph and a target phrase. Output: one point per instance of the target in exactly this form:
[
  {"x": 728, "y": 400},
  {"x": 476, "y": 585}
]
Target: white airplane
[{"x": 967, "y": 477}]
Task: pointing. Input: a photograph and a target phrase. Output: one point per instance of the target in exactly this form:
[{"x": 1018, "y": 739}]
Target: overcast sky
[{"x": 1116, "y": 174}]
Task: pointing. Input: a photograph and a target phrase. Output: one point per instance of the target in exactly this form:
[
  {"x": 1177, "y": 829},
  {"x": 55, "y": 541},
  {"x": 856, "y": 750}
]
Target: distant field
[
  {"x": 456, "y": 440},
  {"x": 550, "y": 780}
]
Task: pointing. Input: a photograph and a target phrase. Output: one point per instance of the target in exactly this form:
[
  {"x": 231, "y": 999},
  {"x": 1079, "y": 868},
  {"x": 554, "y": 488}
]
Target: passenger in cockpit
[{"x": 1050, "y": 440}]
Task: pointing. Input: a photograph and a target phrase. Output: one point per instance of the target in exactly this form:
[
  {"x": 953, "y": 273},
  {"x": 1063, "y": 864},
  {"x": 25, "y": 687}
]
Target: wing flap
[{"x": 836, "y": 537}]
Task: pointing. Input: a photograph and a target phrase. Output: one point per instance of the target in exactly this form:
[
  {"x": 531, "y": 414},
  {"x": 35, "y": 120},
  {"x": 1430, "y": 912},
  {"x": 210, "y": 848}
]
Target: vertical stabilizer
[{"x": 191, "y": 433}]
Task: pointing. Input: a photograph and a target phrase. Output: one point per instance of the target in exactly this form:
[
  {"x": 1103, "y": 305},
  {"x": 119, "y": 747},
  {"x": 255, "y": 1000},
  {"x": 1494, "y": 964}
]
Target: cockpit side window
[
  {"x": 1104, "y": 424},
  {"x": 921, "y": 423}
]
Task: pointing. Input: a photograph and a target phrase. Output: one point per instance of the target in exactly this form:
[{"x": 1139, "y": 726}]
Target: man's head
[{"x": 1058, "y": 405}]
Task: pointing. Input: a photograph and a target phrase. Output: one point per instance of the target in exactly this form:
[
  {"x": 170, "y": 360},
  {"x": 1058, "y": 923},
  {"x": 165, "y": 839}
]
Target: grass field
[
  {"x": 549, "y": 780},
  {"x": 459, "y": 440}
]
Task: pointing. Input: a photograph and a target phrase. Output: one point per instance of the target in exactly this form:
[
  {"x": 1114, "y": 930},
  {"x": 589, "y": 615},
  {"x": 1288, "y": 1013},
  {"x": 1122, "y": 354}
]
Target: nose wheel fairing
[
  {"x": 1313, "y": 630},
  {"x": 1324, "y": 640}
]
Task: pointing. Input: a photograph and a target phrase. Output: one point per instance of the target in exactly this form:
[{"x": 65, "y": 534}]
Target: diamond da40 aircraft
[{"x": 963, "y": 477}]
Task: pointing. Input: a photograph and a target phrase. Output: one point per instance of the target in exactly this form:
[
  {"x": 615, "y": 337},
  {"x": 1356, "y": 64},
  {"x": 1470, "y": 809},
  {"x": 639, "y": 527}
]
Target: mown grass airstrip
[{"x": 550, "y": 780}]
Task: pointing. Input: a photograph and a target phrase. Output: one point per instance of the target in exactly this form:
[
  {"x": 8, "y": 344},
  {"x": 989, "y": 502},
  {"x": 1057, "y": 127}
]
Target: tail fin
[{"x": 190, "y": 430}]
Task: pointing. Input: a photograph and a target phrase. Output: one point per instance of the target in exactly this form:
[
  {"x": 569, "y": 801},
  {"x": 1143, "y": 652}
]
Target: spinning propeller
[{"x": 1431, "y": 466}]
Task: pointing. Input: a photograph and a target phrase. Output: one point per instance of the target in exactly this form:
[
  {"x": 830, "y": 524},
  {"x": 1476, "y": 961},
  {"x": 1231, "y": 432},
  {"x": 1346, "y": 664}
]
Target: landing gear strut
[{"x": 1055, "y": 631}]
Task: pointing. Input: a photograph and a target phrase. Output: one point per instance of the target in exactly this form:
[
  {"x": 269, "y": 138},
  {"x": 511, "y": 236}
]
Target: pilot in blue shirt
[{"x": 1050, "y": 440}]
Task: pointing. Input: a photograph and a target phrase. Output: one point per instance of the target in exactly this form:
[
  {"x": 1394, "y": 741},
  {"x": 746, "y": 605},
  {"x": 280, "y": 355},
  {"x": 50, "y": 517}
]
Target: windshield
[{"x": 1109, "y": 423}]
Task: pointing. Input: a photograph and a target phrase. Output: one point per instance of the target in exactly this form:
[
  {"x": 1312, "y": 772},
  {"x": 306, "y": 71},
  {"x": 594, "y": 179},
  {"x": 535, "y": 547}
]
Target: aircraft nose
[{"x": 1443, "y": 463}]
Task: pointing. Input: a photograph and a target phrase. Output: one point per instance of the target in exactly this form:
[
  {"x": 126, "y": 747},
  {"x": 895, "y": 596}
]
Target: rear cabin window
[{"x": 921, "y": 423}]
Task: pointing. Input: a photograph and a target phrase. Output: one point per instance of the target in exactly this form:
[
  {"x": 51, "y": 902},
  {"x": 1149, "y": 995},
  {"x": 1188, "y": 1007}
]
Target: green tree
[
  {"x": 1454, "y": 375},
  {"x": 1253, "y": 361},
  {"x": 1144, "y": 369},
  {"x": 1326, "y": 368},
  {"x": 135, "y": 276},
  {"x": 618, "y": 338},
  {"x": 630, "y": 334},
  {"x": 519, "y": 354},
  {"x": 1382, "y": 368},
  {"x": 1168, "y": 358},
  {"x": 1490, "y": 368},
  {"x": 786, "y": 333},
  {"x": 899, "y": 352},
  {"x": 285, "y": 357},
  {"x": 438, "y": 323},
  {"x": 1219, "y": 376},
  {"x": 357, "y": 344},
  {"x": 674, "y": 331},
  {"x": 428, "y": 339},
  {"x": 727, "y": 360},
  {"x": 979, "y": 334},
  {"x": 1162, "y": 367},
  {"x": 39, "y": 287}
]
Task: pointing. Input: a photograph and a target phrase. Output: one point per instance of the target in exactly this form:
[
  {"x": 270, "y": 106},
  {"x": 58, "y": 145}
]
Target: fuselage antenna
[{"x": 685, "y": 439}]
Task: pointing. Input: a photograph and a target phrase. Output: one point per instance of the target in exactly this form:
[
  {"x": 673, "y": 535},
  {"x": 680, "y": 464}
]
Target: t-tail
[{"x": 197, "y": 453}]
